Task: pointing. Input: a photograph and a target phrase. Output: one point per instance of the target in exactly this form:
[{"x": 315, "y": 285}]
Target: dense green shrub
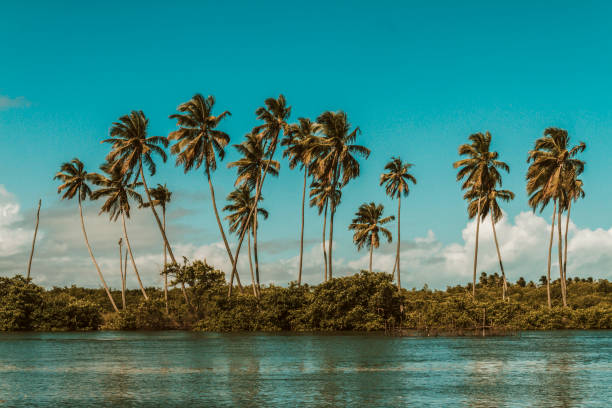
[
  {"x": 19, "y": 302},
  {"x": 65, "y": 312}
]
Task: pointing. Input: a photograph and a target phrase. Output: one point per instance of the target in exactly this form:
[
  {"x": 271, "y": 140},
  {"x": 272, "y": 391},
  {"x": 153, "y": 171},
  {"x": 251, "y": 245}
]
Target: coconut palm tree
[
  {"x": 117, "y": 191},
  {"x": 552, "y": 159},
  {"x": 367, "y": 224},
  {"x": 161, "y": 198},
  {"x": 74, "y": 180},
  {"x": 336, "y": 161},
  {"x": 479, "y": 170},
  {"x": 241, "y": 201},
  {"x": 396, "y": 181},
  {"x": 320, "y": 196},
  {"x": 200, "y": 142},
  {"x": 250, "y": 168},
  {"x": 300, "y": 142},
  {"x": 274, "y": 114},
  {"x": 490, "y": 206},
  {"x": 573, "y": 190}
]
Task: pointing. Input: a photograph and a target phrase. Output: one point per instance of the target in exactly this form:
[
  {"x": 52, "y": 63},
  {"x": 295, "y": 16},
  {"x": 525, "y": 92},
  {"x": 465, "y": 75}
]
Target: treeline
[{"x": 367, "y": 301}]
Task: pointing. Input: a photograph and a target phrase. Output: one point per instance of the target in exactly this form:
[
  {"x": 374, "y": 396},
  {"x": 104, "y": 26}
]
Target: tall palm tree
[
  {"x": 199, "y": 142},
  {"x": 573, "y": 190},
  {"x": 132, "y": 149},
  {"x": 336, "y": 162},
  {"x": 300, "y": 142},
  {"x": 552, "y": 159},
  {"x": 74, "y": 180},
  {"x": 161, "y": 198},
  {"x": 274, "y": 115},
  {"x": 320, "y": 196},
  {"x": 479, "y": 170},
  {"x": 489, "y": 205},
  {"x": 241, "y": 201},
  {"x": 118, "y": 191},
  {"x": 367, "y": 224},
  {"x": 250, "y": 168},
  {"x": 396, "y": 181}
]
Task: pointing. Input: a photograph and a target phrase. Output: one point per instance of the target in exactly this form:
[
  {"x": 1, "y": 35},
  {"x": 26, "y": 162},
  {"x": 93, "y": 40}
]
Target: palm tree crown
[
  {"x": 160, "y": 195},
  {"x": 117, "y": 191},
  {"x": 397, "y": 177},
  {"x": 74, "y": 180},
  {"x": 480, "y": 169},
  {"x": 241, "y": 201},
  {"x": 368, "y": 223},
  {"x": 253, "y": 161}
]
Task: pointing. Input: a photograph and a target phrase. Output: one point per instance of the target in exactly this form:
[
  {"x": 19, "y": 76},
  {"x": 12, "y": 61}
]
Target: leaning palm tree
[
  {"x": 274, "y": 115},
  {"x": 573, "y": 190},
  {"x": 300, "y": 142},
  {"x": 199, "y": 142},
  {"x": 117, "y": 191},
  {"x": 74, "y": 180},
  {"x": 552, "y": 159},
  {"x": 336, "y": 162},
  {"x": 320, "y": 196},
  {"x": 396, "y": 185},
  {"x": 241, "y": 201},
  {"x": 250, "y": 168},
  {"x": 161, "y": 198},
  {"x": 367, "y": 224},
  {"x": 489, "y": 205},
  {"x": 479, "y": 172}
]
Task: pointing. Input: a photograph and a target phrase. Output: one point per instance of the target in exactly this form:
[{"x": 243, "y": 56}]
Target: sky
[{"x": 417, "y": 78}]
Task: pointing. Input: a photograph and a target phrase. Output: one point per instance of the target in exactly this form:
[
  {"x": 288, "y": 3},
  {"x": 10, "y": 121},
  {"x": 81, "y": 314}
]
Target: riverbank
[{"x": 362, "y": 302}]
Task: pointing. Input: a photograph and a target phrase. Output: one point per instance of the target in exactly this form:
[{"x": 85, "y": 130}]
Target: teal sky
[{"x": 416, "y": 77}]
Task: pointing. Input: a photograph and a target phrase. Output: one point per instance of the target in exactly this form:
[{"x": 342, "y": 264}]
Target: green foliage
[
  {"x": 65, "y": 312},
  {"x": 146, "y": 315},
  {"x": 19, "y": 301}
]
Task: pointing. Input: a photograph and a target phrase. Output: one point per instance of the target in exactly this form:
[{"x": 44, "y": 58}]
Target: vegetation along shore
[{"x": 198, "y": 296}]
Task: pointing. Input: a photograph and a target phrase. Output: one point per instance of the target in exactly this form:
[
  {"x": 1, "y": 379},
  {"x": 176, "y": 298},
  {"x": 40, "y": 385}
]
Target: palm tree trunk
[
  {"x": 331, "y": 239},
  {"x": 560, "y": 245},
  {"x": 124, "y": 283},
  {"x": 255, "y": 252},
  {"x": 127, "y": 243},
  {"x": 93, "y": 259},
  {"x": 552, "y": 231},
  {"x": 161, "y": 228},
  {"x": 397, "y": 256},
  {"x": 302, "y": 233},
  {"x": 214, "y": 202},
  {"x": 36, "y": 232},
  {"x": 324, "y": 230},
  {"x": 476, "y": 249},
  {"x": 569, "y": 209},
  {"x": 371, "y": 250},
  {"x": 251, "y": 266},
  {"x": 165, "y": 261},
  {"x": 501, "y": 265},
  {"x": 248, "y": 220},
  {"x": 122, "y": 276}
]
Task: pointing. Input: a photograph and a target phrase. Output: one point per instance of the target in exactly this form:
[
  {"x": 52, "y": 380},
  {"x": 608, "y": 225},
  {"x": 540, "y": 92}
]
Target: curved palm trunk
[
  {"x": 127, "y": 243},
  {"x": 165, "y": 262},
  {"x": 552, "y": 231},
  {"x": 214, "y": 202},
  {"x": 476, "y": 250},
  {"x": 161, "y": 228},
  {"x": 397, "y": 256},
  {"x": 124, "y": 284},
  {"x": 324, "y": 230},
  {"x": 255, "y": 247},
  {"x": 36, "y": 232},
  {"x": 501, "y": 265},
  {"x": 567, "y": 220},
  {"x": 331, "y": 240},
  {"x": 560, "y": 245},
  {"x": 251, "y": 267},
  {"x": 93, "y": 259},
  {"x": 248, "y": 220},
  {"x": 122, "y": 276},
  {"x": 371, "y": 251},
  {"x": 302, "y": 233}
]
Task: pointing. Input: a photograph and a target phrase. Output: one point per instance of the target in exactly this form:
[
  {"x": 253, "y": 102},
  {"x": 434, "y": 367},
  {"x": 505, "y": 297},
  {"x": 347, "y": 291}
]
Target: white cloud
[
  {"x": 12, "y": 238},
  {"x": 7, "y": 102}
]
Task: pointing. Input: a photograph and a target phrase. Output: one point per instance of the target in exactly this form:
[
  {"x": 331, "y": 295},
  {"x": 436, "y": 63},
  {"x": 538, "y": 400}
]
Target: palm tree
[
  {"x": 300, "y": 142},
  {"x": 396, "y": 184},
  {"x": 199, "y": 142},
  {"x": 573, "y": 190},
  {"x": 74, "y": 180},
  {"x": 275, "y": 115},
  {"x": 320, "y": 196},
  {"x": 551, "y": 161},
  {"x": 250, "y": 169},
  {"x": 480, "y": 171},
  {"x": 241, "y": 201},
  {"x": 489, "y": 205},
  {"x": 367, "y": 224},
  {"x": 336, "y": 163},
  {"x": 122, "y": 274},
  {"x": 118, "y": 191},
  {"x": 161, "y": 198}
]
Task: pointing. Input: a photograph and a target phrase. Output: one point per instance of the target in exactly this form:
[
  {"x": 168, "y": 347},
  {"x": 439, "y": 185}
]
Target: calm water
[{"x": 172, "y": 368}]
